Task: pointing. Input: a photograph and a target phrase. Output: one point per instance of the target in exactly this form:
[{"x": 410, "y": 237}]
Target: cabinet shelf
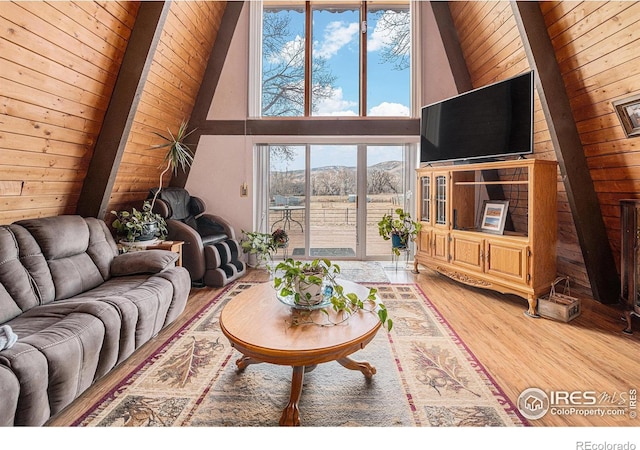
[{"x": 486, "y": 183}]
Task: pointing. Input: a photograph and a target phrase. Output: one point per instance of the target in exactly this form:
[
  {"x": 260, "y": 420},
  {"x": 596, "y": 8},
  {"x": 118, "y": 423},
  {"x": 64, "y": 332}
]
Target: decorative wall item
[{"x": 628, "y": 110}]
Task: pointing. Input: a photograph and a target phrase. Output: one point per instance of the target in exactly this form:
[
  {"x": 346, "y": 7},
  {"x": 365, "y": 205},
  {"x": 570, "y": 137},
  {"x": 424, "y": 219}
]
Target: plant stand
[{"x": 395, "y": 258}]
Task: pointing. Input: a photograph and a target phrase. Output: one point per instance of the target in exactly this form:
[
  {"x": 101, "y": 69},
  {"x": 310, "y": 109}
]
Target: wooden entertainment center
[{"x": 456, "y": 238}]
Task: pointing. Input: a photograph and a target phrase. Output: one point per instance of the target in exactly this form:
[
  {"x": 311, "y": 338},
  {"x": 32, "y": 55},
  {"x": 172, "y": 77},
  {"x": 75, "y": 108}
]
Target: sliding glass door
[{"x": 329, "y": 198}]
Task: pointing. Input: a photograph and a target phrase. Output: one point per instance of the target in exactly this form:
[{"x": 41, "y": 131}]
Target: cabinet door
[
  {"x": 441, "y": 200},
  {"x": 507, "y": 260},
  {"x": 424, "y": 204},
  {"x": 440, "y": 245},
  {"x": 424, "y": 242},
  {"x": 468, "y": 252}
]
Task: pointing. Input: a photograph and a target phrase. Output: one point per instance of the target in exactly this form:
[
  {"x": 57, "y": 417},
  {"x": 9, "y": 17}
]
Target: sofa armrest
[{"x": 143, "y": 261}]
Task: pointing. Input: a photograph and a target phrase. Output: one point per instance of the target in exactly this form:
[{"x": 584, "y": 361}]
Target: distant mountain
[{"x": 387, "y": 166}]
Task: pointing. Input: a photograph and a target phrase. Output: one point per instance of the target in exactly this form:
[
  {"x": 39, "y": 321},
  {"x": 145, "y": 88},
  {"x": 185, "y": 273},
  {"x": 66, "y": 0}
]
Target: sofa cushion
[
  {"x": 33, "y": 260},
  {"x": 141, "y": 262},
  {"x": 68, "y": 244},
  {"x": 54, "y": 365},
  {"x": 9, "y": 390},
  {"x": 17, "y": 293},
  {"x": 43, "y": 317}
]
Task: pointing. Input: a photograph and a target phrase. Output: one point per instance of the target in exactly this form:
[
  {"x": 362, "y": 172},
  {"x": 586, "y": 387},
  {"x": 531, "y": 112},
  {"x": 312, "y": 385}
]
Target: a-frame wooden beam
[
  {"x": 210, "y": 82},
  {"x": 590, "y": 228},
  {"x": 111, "y": 142}
]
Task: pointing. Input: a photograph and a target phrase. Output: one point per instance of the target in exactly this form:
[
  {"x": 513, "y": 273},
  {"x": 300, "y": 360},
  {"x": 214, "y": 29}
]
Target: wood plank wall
[
  {"x": 59, "y": 64},
  {"x": 597, "y": 47},
  {"x": 493, "y": 50},
  {"x": 169, "y": 96}
]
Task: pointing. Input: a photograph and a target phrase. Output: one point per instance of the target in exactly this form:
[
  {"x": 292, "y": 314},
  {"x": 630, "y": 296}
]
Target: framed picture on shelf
[
  {"x": 494, "y": 216},
  {"x": 628, "y": 111}
]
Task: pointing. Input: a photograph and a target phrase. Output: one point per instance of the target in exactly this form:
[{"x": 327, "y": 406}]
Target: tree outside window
[{"x": 331, "y": 46}]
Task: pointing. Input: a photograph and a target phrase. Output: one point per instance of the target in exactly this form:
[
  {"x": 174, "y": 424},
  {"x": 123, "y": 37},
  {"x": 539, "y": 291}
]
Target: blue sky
[{"x": 336, "y": 36}]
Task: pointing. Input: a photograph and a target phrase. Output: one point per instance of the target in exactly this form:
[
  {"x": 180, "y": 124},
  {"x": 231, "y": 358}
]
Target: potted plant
[
  {"x": 400, "y": 230},
  {"x": 179, "y": 154},
  {"x": 312, "y": 283},
  {"x": 259, "y": 244},
  {"x": 139, "y": 225},
  {"x": 280, "y": 238}
]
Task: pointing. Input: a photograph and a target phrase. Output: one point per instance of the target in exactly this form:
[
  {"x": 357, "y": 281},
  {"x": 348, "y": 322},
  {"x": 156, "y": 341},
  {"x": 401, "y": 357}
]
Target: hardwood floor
[{"x": 589, "y": 353}]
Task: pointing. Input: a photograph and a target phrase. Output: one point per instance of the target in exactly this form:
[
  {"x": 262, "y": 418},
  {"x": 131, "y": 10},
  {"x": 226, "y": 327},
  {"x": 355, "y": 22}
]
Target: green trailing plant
[
  {"x": 290, "y": 275},
  {"x": 136, "y": 224},
  {"x": 179, "y": 154},
  {"x": 402, "y": 226},
  {"x": 260, "y": 244},
  {"x": 263, "y": 245}
]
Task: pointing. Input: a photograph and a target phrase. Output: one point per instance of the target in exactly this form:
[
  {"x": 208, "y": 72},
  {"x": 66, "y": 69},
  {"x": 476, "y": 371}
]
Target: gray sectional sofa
[{"x": 78, "y": 309}]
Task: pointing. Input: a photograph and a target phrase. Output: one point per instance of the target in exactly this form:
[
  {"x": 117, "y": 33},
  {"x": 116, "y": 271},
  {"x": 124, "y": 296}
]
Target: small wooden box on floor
[{"x": 559, "y": 306}]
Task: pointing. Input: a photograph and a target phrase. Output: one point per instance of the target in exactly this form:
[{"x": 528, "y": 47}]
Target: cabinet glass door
[
  {"x": 425, "y": 205},
  {"x": 441, "y": 200}
]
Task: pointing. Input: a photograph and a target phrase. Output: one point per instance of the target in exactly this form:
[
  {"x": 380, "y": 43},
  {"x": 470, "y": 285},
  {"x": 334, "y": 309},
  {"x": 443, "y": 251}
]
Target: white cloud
[
  {"x": 336, "y": 105},
  {"x": 292, "y": 52},
  {"x": 336, "y": 36},
  {"x": 382, "y": 37},
  {"x": 389, "y": 109}
]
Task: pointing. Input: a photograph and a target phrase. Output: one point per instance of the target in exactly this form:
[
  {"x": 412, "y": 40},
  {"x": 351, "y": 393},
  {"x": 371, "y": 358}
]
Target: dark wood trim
[
  {"x": 316, "y": 126},
  {"x": 363, "y": 59},
  {"x": 452, "y": 48},
  {"x": 215, "y": 64},
  {"x": 111, "y": 142},
  {"x": 308, "y": 58},
  {"x": 587, "y": 217}
]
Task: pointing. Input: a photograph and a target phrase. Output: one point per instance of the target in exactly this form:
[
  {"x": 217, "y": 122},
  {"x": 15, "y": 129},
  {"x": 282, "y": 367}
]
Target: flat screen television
[{"x": 491, "y": 122}]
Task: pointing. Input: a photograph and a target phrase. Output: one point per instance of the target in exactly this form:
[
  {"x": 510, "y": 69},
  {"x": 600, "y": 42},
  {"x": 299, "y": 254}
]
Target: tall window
[{"x": 349, "y": 59}]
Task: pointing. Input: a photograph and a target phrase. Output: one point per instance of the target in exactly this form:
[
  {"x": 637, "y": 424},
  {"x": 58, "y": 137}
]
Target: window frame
[{"x": 255, "y": 55}]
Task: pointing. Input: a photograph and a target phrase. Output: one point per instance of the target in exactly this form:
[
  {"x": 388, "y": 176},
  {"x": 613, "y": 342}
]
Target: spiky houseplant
[{"x": 179, "y": 154}]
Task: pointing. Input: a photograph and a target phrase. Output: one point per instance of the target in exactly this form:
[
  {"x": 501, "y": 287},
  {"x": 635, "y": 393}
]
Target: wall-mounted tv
[{"x": 490, "y": 122}]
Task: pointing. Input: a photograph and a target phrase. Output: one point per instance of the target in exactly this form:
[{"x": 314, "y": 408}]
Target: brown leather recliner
[{"x": 211, "y": 252}]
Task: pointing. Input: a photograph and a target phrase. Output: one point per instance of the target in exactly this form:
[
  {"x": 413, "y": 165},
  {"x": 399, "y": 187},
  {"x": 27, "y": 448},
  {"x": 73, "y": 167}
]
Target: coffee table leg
[
  {"x": 367, "y": 369},
  {"x": 291, "y": 414},
  {"x": 245, "y": 361}
]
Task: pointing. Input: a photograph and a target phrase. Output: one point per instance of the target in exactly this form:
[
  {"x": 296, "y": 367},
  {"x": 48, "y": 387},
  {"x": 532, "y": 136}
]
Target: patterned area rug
[{"x": 425, "y": 376}]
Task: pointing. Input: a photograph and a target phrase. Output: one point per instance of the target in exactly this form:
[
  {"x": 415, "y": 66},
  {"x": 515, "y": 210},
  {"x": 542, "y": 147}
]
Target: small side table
[{"x": 174, "y": 246}]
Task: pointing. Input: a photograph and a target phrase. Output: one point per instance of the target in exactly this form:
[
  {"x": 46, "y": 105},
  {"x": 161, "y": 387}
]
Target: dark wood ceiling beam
[
  {"x": 111, "y": 142},
  {"x": 317, "y": 126},
  {"x": 590, "y": 227},
  {"x": 209, "y": 83}
]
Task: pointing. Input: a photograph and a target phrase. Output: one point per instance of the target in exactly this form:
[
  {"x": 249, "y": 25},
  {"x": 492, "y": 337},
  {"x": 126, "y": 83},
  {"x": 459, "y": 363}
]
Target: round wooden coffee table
[{"x": 259, "y": 326}]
